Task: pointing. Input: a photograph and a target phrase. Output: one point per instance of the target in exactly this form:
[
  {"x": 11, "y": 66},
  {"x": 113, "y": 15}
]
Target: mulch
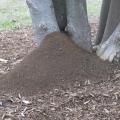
[
  {"x": 14, "y": 45},
  {"x": 58, "y": 80},
  {"x": 57, "y": 61}
]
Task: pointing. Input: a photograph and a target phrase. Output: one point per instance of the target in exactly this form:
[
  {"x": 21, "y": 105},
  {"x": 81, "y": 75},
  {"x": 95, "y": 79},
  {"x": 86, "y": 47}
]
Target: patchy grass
[
  {"x": 94, "y": 7},
  {"x": 14, "y": 13}
]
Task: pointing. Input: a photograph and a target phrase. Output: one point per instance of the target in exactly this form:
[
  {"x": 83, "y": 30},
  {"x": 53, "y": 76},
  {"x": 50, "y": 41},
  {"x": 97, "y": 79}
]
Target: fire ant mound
[{"x": 56, "y": 62}]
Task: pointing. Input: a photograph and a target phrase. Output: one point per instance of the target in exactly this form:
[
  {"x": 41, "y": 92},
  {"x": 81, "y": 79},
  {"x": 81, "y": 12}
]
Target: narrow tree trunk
[
  {"x": 103, "y": 20},
  {"x": 77, "y": 24},
  {"x": 60, "y": 12},
  {"x": 43, "y": 18},
  {"x": 113, "y": 19}
]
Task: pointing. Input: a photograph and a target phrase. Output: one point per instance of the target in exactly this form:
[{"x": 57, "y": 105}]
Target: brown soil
[
  {"x": 14, "y": 45},
  {"x": 78, "y": 102},
  {"x": 57, "y": 62}
]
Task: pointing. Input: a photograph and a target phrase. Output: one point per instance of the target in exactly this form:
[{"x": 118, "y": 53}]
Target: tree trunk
[
  {"x": 43, "y": 18},
  {"x": 77, "y": 24},
  {"x": 60, "y": 13},
  {"x": 113, "y": 19},
  {"x": 109, "y": 47},
  {"x": 103, "y": 20},
  {"x": 85, "y": 6}
]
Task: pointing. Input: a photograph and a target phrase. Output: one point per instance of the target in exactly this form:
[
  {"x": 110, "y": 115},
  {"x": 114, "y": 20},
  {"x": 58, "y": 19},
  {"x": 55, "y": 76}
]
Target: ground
[
  {"x": 88, "y": 102},
  {"x": 15, "y": 44},
  {"x": 78, "y": 102}
]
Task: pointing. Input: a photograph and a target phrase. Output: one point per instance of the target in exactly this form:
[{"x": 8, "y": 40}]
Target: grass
[
  {"x": 14, "y": 13},
  {"x": 94, "y": 7}
]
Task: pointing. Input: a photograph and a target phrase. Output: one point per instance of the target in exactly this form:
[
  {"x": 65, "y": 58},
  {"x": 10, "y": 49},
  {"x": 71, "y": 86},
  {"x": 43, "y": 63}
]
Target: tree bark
[
  {"x": 77, "y": 24},
  {"x": 85, "y": 6},
  {"x": 60, "y": 13},
  {"x": 43, "y": 18},
  {"x": 103, "y": 20},
  {"x": 110, "y": 49},
  {"x": 113, "y": 19}
]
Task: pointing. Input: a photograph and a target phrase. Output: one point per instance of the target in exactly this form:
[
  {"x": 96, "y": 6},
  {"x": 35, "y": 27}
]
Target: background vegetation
[{"x": 15, "y": 14}]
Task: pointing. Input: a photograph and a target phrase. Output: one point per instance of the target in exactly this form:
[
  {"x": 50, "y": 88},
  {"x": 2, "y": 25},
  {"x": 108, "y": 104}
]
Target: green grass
[
  {"x": 94, "y": 7},
  {"x": 14, "y": 13}
]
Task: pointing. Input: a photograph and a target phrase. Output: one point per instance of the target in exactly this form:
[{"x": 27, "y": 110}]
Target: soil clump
[{"x": 56, "y": 62}]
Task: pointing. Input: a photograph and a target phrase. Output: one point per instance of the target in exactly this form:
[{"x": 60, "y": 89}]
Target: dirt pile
[{"x": 58, "y": 61}]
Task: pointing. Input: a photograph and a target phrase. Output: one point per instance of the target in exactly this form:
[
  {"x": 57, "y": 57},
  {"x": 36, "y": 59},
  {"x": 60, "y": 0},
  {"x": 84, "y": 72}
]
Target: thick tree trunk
[
  {"x": 43, "y": 18},
  {"x": 113, "y": 19},
  {"x": 103, "y": 20},
  {"x": 60, "y": 12},
  {"x": 77, "y": 24},
  {"x": 109, "y": 48}
]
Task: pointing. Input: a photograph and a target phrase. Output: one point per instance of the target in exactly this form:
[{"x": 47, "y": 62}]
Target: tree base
[
  {"x": 110, "y": 49},
  {"x": 43, "y": 18}
]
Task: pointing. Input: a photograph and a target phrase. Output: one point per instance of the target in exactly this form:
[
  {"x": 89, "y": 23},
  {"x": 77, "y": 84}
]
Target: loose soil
[
  {"x": 57, "y": 61},
  {"x": 65, "y": 82},
  {"x": 15, "y": 44}
]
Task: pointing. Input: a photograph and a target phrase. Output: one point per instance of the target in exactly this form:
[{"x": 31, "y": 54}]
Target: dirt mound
[{"x": 58, "y": 61}]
